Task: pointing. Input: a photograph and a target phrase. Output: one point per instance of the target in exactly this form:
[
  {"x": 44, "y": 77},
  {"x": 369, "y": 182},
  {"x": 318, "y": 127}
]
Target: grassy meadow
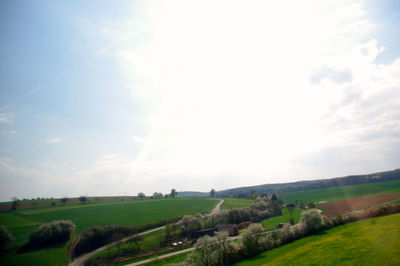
[
  {"x": 230, "y": 203},
  {"x": 22, "y": 222},
  {"x": 374, "y": 241},
  {"x": 338, "y": 193},
  {"x": 272, "y": 222}
]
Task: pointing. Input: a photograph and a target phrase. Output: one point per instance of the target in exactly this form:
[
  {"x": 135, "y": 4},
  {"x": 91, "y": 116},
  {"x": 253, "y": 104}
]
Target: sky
[{"x": 105, "y": 98}]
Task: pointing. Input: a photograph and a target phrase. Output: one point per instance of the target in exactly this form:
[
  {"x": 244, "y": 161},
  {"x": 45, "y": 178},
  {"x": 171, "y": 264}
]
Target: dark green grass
[
  {"x": 338, "y": 193},
  {"x": 11, "y": 219},
  {"x": 132, "y": 213},
  {"x": 56, "y": 255},
  {"x": 230, "y": 203},
  {"x": 174, "y": 259},
  {"x": 272, "y": 222},
  {"x": 374, "y": 241}
]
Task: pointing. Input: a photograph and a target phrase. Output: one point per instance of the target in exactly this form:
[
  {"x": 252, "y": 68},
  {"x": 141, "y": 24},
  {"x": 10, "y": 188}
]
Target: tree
[
  {"x": 290, "y": 208},
  {"x": 5, "y": 237},
  {"x": 117, "y": 237},
  {"x": 253, "y": 194},
  {"x": 157, "y": 195},
  {"x": 189, "y": 224},
  {"x": 64, "y": 200},
  {"x": 173, "y": 193},
  {"x": 212, "y": 193},
  {"x": 15, "y": 203},
  {"x": 251, "y": 237},
  {"x": 51, "y": 233},
  {"x": 205, "y": 246},
  {"x": 312, "y": 220},
  {"x": 141, "y": 195},
  {"x": 83, "y": 199}
]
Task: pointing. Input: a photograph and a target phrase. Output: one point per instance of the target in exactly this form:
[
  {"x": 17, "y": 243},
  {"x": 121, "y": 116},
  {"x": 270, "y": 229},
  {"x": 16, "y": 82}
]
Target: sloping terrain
[{"x": 374, "y": 241}]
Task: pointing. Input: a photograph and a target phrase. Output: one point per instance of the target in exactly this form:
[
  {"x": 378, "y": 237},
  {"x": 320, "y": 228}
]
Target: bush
[
  {"x": 83, "y": 199},
  {"x": 5, "y": 237},
  {"x": 312, "y": 220},
  {"x": 98, "y": 236},
  {"x": 251, "y": 239},
  {"x": 51, "y": 233}
]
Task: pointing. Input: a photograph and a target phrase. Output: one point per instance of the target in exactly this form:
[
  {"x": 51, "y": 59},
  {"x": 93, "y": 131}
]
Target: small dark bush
[
  {"x": 5, "y": 237},
  {"x": 50, "y": 233},
  {"x": 83, "y": 199}
]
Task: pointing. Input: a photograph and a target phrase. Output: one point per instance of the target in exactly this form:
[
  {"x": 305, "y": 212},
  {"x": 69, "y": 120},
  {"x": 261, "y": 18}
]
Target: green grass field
[
  {"x": 230, "y": 203},
  {"x": 338, "y": 193},
  {"x": 374, "y": 241},
  {"x": 23, "y": 222},
  {"x": 131, "y": 213},
  {"x": 272, "y": 222}
]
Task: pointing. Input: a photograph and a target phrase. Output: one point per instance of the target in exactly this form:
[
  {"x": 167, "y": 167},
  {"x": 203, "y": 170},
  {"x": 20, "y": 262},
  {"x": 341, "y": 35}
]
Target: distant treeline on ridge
[{"x": 244, "y": 192}]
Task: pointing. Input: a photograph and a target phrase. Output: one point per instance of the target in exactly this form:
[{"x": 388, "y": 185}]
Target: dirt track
[{"x": 333, "y": 208}]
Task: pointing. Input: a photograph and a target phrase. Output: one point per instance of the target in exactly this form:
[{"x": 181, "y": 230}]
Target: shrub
[
  {"x": 5, "y": 237},
  {"x": 312, "y": 220},
  {"x": 251, "y": 238},
  {"x": 51, "y": 233},
  {"x": 83, "y": 199},
  {"x": 98, "y": 236}
]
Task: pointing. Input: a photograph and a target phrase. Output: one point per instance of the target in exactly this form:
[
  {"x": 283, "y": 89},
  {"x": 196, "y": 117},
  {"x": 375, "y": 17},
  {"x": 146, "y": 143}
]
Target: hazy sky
[{"x": 115, "y": 97}]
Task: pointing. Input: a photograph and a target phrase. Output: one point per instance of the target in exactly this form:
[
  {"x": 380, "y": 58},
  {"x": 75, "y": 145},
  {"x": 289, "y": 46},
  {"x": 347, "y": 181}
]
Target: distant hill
[
  {"x": 193, "y": 194},
  {"x": 313, "y": 184},
  {"x": 280, "y": 188}
]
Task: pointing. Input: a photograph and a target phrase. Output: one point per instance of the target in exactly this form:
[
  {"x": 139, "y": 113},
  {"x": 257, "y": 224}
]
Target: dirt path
[
  {"x": 81, "y": 260},
  {"x": 173, "y": 254},
  {"x": 161, "y": 257},
  {"x": 217, "y": 208}
]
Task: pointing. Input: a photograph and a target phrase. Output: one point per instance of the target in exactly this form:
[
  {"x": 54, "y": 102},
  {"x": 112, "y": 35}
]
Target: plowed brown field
[{"x": 333, "y": 208}]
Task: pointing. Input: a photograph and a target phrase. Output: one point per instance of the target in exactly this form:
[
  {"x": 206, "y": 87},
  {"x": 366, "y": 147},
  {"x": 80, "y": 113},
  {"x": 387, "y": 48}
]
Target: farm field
[
  {"x": 343, "y": 192},
  {"x": 230, "y": 203},
  {"x": 21, "y": 223},
  {"x": 368, "y": 242},
  {"x": 272, "y": 222},
  {"x": 333, "y": 208},
  {"x": 132, "y": 213}
]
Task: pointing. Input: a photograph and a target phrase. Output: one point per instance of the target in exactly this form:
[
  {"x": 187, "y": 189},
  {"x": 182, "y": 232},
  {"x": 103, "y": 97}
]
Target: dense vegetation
[
  {"x": 368, "y": 242},
  {"x": 311, "y": 185},
  {"x": 50, "y": 233}
]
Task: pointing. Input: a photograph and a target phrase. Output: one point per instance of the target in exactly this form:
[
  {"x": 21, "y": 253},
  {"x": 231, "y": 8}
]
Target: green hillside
[
  {"x": 338, "y": 193},
  {"x": 23, "y": 222},
  {"x": 374, "y": 241}
]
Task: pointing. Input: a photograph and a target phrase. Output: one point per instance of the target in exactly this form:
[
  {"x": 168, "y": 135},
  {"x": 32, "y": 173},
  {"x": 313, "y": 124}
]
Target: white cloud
[
  {"x": 138, "y": 139},
  {"x": 55, "y": 140},
  {"x": 229, "y": 87},
  {"x": 6, "y": 118},
  {"x": 34, "y": 90}
]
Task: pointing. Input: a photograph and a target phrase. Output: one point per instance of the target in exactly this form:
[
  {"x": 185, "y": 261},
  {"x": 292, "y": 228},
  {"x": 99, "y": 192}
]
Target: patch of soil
[{"x": 334, "y": 208}]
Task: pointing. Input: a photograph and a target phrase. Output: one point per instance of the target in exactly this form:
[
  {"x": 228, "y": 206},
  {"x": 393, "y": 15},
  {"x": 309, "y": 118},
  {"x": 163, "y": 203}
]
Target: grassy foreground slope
[
  {"x": 21, "y": 223},
  {"x": 374, "y": 241},
  {"x": 338, "y": 193}
]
